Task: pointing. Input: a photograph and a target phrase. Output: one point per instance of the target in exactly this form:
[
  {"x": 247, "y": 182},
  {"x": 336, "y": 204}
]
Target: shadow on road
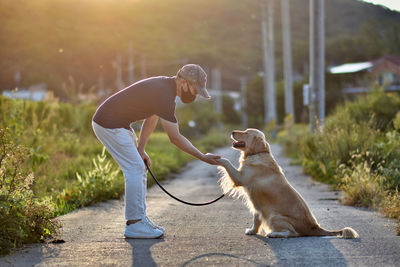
[
  {"x": 141, "y": 253},
  {"x": 305, "y": 250},
  {"x": 209, "y": 255}
]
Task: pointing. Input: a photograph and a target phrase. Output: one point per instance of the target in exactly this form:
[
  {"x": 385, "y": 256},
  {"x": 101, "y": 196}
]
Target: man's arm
[
  {"x": 176, "y": 138},
  {"x": 148, "y": 127}
]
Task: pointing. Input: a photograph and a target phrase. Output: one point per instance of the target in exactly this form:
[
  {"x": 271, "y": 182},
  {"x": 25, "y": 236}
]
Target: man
[{"x": 149, "y": 100}]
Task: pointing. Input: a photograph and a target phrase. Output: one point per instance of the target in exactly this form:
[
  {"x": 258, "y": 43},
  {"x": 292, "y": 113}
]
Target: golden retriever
[{"x": 275, "y": 204}]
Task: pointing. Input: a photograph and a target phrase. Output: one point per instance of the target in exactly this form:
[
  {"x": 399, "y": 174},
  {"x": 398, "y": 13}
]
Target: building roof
[
  {"x": 351, "y": 67},
  {"x": 394, "y": 59}
]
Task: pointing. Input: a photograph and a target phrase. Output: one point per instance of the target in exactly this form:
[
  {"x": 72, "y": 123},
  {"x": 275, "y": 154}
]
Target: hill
[{"x": 51, "y": 40}]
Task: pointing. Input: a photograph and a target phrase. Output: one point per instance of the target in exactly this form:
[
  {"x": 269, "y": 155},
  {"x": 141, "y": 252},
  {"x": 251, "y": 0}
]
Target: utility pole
[
  {"x": 317, "y": 63},
  {"x": 243, "y": 103},
  {"x": 118, "y": 66},
  {"x": 143, "y": 67},
  {"x": 216, "y": 85},
  {"x": 269, "y": 64},
  {"x": 321, "y": 63},
  {"x": 131, "y": 76},
  {"x": 287, "y": 56}
]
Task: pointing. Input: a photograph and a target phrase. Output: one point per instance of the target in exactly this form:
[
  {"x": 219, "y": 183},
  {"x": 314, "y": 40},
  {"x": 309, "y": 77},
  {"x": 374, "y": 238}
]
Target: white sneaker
[
  {"x": 142, "y": 229},
  {"x": 154, "y": 225}
]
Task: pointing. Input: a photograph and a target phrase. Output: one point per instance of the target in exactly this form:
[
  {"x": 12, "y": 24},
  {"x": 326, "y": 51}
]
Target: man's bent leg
[{"x": 120, "y": 144}]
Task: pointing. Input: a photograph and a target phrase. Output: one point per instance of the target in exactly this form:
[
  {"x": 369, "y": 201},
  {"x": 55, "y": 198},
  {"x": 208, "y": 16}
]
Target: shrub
[
  {"x": 378, "y": 106},
  {"x": 363, "y": 125},
  {"x": 291, "y": 138},
  {"x": 323, "y": 152},
  {"x": 363, "y": 187},
  {"x": 391, "y": 205},
  {"x": 199, "y": 113},
  {"x": 23, "y": 218},
  {"x": 358, "y": 151}
]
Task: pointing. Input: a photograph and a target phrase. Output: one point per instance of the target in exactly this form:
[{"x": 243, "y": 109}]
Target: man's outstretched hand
[{"x": 211, "y": 158}]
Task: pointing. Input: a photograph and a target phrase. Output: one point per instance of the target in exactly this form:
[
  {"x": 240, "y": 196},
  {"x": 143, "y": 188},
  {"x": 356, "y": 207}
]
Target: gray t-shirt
[{"x": 152, "y": 96}]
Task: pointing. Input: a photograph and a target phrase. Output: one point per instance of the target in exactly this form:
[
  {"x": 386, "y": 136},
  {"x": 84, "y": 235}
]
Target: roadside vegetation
[
  {"x": 51, "y": 163},
  {"x": 358, "y": 151}
]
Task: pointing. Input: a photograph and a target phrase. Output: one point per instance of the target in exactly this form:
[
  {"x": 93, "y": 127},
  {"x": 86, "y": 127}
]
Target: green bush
[
  {"x": 323, "y": 152},
  {"x": 23, "y": 218},
  {"x": 201, "y": 114},
  {"x": 363, "y": 126},
  {"x": 291, "y": 138},
  {"x": 229, "y": 114},
  {"x": 358, "y": 150},
  {"x": 377, "y": 107}
]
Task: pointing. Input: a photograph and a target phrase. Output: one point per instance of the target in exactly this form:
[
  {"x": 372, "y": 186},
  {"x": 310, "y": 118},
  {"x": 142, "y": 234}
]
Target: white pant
[{"x": 122, "y": 145}]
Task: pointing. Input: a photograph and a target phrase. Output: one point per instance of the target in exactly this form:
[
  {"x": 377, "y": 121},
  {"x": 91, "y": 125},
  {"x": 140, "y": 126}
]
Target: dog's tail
[{"x": 346, "y": 232}]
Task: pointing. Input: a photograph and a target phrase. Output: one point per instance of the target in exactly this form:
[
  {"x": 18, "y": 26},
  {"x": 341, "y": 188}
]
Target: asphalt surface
[{"x": 214, "y": 235}]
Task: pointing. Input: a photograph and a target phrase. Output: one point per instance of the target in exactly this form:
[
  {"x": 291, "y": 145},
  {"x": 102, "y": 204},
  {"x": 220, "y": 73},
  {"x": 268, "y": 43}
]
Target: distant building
[
  {"x": 386, "y": 71},
  {"x": 36, "y": 92},
  {"x": 359, "y": 78}
]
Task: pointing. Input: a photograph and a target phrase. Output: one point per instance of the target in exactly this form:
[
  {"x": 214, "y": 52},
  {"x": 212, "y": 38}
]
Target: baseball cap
[{"x": 196, "y": 75}]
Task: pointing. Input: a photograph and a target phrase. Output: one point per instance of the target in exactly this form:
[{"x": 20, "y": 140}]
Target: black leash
[{"x": 180, "y": 200}]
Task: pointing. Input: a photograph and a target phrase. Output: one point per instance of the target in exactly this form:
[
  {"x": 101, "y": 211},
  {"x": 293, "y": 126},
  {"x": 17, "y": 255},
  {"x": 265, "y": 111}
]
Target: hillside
[{"x": 51, "y": 40}]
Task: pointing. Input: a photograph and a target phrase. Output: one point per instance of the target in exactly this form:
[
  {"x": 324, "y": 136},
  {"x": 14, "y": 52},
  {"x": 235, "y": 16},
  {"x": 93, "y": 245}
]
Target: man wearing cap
[{"x": 149, "y": 100}]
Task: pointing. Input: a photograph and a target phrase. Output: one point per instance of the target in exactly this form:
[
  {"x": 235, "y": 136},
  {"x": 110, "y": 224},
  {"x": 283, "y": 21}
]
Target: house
[
  {"x": 386, "y": 72},
  {"x": 360, "y": 77}
]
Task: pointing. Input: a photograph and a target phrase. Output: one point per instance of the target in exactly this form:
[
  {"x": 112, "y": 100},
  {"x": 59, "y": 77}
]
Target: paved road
[{"x": 214, "y": 235}]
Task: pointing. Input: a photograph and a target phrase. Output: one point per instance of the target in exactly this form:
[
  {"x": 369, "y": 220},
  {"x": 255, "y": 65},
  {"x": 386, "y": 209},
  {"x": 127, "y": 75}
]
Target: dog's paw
[
  {"x": 222, "y": 161},
  {"x": 250, "y": 231}
]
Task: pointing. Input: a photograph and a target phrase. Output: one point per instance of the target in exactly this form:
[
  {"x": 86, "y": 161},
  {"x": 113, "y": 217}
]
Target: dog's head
[{"x": 250, "y": 141}]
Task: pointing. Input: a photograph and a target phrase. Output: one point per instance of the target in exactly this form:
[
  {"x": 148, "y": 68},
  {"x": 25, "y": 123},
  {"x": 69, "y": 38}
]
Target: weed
[
  {"x": 363, "y": 187},
  {"x": 23, "y": 218}
]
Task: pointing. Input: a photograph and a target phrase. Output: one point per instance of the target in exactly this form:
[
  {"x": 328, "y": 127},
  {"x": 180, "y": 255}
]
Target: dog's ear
[
  {"x": 258, "y": 144},
  {"x": 266, "y": 146}
]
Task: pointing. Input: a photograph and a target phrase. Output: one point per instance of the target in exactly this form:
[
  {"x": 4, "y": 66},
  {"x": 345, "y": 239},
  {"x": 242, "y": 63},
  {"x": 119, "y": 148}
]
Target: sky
[{"x": 391, "y": 4}]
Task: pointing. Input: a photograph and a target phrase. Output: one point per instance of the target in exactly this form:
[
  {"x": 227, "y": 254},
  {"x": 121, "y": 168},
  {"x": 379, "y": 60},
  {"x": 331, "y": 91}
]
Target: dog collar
[{"x": 252, "y": 154}]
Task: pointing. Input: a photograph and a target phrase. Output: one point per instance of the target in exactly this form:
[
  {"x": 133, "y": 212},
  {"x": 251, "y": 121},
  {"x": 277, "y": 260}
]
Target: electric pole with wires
[
  {"x": 317, "y": 64},
  {"x": 267, "y": 31},
  {"x": 287, "y": 59}
]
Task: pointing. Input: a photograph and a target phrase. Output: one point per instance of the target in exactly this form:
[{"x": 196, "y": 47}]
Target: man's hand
[
  {"x": 145, "y": 158},
  {"x": 222, "y": 161},
  {"x": 211, "y": 158}
]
